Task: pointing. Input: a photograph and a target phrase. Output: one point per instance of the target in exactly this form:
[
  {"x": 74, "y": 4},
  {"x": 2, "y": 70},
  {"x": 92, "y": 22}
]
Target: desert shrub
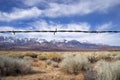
[
  {"x": 12, "y": 66},
  {"x": 49, "y": 62},
  {"x": 104, "y": 70},
  {"x": 101, "y": 56},
  {"x": 116, "y": 69},
  {"x": 53, "y": 63},
  {"x": 74, "y": 64},
  {"x": 107, "y": 56},
  {"x": 21, "y": 55},
  {"x": 33, "y": 55},
  {"x": 90, "y": 75},
  {"x": 117, "y": 57},
  {"x": 17, "y": 55},
  {"x": 42, "y": 57},
  {"x": 92, "y": 59},
  {"x": 54, "y": 56},
  {"x": 27, "y": 58}
]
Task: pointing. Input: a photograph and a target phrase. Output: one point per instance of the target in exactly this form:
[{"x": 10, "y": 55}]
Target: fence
[{"x": 55, "y": 31}]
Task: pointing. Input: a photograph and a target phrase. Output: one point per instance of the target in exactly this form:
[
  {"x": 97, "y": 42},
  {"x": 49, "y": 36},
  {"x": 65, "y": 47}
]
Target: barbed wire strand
[{"x": 55, "y": 31}]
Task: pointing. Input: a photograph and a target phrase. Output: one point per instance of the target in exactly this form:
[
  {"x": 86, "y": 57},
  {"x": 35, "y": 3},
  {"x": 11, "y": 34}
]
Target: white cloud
[
  {"x": 102, "y": 38},
  {"x": 54, "y": 9},
  {"x": 6, "y": 28},
  {"x": 43, "y": 25},
  {"x": 82, "y": 7},
  {"x": 20, "y": 14},
  {"x": 78, "y": 26},
  {"x": 38, "y": 2},
  {"x": 106, "y": 26},
  {"x": 31, "y": 2}
]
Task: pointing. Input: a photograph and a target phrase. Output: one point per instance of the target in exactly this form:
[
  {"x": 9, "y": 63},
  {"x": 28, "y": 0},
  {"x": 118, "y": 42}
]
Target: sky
[{"x": 62, "y": 14}]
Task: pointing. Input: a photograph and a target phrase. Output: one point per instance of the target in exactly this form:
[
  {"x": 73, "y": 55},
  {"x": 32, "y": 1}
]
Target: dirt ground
[{"x": 42, "y": 71}]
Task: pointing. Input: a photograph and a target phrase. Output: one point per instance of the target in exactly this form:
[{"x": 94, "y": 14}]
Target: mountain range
[{"x": 11, "y": 43}]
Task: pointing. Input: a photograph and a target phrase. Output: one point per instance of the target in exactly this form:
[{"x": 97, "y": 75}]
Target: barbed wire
[{"x": 55, "y": 31}]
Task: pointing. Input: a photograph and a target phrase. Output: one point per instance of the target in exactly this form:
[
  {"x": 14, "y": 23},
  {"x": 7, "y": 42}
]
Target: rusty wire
[{"x": 55, "y": 31}]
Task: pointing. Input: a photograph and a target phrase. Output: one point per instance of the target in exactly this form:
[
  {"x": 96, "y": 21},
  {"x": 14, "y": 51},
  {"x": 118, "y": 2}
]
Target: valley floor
[{"x": 42, "y": 71}]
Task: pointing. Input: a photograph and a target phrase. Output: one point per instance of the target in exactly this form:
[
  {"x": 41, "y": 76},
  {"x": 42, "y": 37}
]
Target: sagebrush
[
  {"x": 104, "y": 70},
  {"x": 74, "y": 64},
  {"x": 13, "y": 66}
]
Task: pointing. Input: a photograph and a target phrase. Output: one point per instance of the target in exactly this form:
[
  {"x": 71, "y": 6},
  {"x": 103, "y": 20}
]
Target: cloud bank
[
  {"x": 55, "y": 9},
  {"x": 104, "y": 38},
  {"x": 41, "y": 15}
]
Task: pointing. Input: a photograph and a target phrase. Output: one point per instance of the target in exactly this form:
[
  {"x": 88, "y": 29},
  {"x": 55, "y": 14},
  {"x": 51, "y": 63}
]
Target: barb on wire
[{"x": 55, "y": 31}]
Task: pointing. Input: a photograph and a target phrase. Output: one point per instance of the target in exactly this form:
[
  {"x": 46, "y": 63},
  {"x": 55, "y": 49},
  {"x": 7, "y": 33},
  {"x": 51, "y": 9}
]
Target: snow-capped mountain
[{"x": 10, "y": 43}]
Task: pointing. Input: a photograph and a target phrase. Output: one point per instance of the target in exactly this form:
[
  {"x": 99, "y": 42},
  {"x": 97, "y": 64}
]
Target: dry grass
[
  {"x": 104, "y": 70},
  {"x": 12, "y": 66},
  {"x": 42, "y": 57},
  {"x": 47, "y": 70},
  {"x": 74, "y": 64},
  {"x": 57, "y": 57}
]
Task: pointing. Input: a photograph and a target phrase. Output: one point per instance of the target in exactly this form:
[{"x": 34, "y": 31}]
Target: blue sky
[{"x": 62, "y": 14}]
